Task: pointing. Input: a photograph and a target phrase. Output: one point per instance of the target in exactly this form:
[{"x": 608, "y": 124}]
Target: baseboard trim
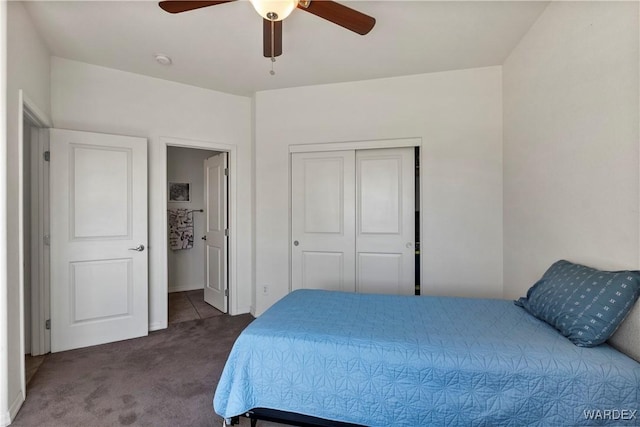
[
  {"x": 241, "y": 310},
  {"x": 184, "y": 288},
  {"x": 156, "y": 326},
  {"x": 5, "y": 419},
  {"x": 15, "y": 407}
]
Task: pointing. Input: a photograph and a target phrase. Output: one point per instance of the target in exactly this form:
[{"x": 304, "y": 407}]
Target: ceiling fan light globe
[{"x": 274, "y": 10}]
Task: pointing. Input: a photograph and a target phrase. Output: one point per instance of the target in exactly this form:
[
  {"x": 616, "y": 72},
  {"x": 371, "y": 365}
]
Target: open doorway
[
  {"x": 197, "y": 226},
  {"x": 33, "y": 231},
  {"x": 32, "y": 354}
]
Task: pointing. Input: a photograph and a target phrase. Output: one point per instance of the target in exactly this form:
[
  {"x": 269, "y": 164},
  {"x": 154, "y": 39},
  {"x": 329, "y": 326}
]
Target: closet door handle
[
  {"x": 138, "y": 248},
  {"x": 296, "y": 243}
]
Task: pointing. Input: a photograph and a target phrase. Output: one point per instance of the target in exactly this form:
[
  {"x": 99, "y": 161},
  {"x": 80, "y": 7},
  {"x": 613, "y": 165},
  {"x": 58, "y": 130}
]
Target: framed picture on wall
[{"x": 179, "y": 192}]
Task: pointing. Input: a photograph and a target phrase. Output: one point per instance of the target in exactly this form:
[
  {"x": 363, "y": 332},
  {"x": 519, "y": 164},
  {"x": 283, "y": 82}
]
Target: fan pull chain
[{"x": 273, "y": 47}]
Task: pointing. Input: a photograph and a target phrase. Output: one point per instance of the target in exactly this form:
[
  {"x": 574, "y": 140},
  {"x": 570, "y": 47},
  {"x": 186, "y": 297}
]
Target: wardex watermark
[{"x": 611, "y": 414}]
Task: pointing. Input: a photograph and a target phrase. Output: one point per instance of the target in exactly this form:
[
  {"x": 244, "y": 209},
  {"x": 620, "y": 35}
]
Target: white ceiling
[{"x": 220, "y": 47}]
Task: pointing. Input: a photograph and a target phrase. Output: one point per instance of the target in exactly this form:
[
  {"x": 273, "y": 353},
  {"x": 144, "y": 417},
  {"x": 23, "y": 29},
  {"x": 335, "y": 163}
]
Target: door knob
[
  {"x": 138, "y": 248},
  {"x": 296, "y": 243}
]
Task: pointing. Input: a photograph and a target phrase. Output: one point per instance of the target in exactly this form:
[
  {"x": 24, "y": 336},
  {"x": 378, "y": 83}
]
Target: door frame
[
  {"x": 232, "y": 155},
  {"x": 30, "y": 111},
  {"x": 354, "y": 145},
  {"x": 39, "y": 223}
]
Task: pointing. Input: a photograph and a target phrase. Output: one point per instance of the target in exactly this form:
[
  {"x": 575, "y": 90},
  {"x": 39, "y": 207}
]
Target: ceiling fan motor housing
[{"x": 274, "y": 10}]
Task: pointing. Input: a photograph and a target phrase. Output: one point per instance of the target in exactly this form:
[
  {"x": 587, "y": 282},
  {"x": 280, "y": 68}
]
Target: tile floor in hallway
[{"x": 189, "y": 305}]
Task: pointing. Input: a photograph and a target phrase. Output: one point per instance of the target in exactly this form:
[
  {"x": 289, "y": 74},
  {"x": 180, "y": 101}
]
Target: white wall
[
  {"x": 457, "y": 114},
  {"x": 28, "y": 66},
  {"x": 571, "y": 142},
  {"x": 91, "y": 98},
  {"x": 186, "y": 266}
]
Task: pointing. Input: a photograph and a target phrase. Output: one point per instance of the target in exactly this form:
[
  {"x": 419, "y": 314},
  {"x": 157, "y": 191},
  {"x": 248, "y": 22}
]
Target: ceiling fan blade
[
  {"x": 344, "y": 16},
  {"x": 267, "y": 38},
  {"x": 177, "y": 6}
]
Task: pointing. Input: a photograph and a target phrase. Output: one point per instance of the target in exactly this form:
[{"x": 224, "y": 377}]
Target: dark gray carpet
[{"x": 165, "y": 379}]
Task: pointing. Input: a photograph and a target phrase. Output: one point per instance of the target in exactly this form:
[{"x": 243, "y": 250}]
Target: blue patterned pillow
[{"x": 586, "y": 305}]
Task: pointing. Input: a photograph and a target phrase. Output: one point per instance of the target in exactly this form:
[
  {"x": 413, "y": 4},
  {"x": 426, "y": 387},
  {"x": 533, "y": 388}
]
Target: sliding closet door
[
  {"x": 323, "y": 220},
  {"x": 385, "y": 218}
]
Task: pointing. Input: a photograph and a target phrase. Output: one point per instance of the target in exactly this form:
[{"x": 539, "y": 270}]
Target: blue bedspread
[{"x": 410, "y": 361}]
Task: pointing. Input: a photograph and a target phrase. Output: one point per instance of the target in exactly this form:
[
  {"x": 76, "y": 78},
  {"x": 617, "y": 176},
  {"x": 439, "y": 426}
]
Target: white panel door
[
  {"x": 98, "y": 207},
  {"x": 385, "y": 210},
  {"x": 323, "y": 220},
  {"x": 216, "y": 240}
]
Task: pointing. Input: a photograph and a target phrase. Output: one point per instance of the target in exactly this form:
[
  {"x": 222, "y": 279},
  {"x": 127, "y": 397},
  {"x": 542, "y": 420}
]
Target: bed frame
[{"x": 289, "y": 418}]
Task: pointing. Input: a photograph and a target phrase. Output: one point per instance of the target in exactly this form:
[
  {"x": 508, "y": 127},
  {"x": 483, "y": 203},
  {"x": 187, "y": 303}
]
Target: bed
[{"x": 326, "y": 357}]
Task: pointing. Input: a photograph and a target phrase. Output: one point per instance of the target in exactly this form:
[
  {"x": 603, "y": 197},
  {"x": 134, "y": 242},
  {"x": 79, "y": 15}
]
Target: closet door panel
[
  {"x": 323, "y": 270},
  {"x": 380, "y": 194},
  {"x": 380, "y": 273},
  {"x": 323, "y": 220},
  {"x": 385, "y": 212},
  {"x": 323, "y": 181}
]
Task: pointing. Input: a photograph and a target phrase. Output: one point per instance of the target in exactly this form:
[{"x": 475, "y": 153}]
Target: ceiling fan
[{"x": 274, "y": 11}]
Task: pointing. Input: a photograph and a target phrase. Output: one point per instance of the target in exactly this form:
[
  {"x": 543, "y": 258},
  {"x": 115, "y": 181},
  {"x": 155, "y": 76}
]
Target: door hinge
[
  {"x": 226, "y": 232},
  {"x": 46, "y": 240},
  {"x": 226, "y": 171},
  {"x": 47, "y": 324},
  {"x": 46, "y": 155},
  {"x": 226, "y": 292}
]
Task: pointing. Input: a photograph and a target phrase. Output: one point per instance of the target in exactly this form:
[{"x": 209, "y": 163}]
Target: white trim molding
[
  {"x": 33, "y": 112},
  {"x": 356, "y": 145},
  {"x": 29, "y": 111},
  {"x": 26, "y": 110},
  {"x": 5, "y": 417},
  {"x": 15, "y": 405},
  {"x": 156, "y": 326}
]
